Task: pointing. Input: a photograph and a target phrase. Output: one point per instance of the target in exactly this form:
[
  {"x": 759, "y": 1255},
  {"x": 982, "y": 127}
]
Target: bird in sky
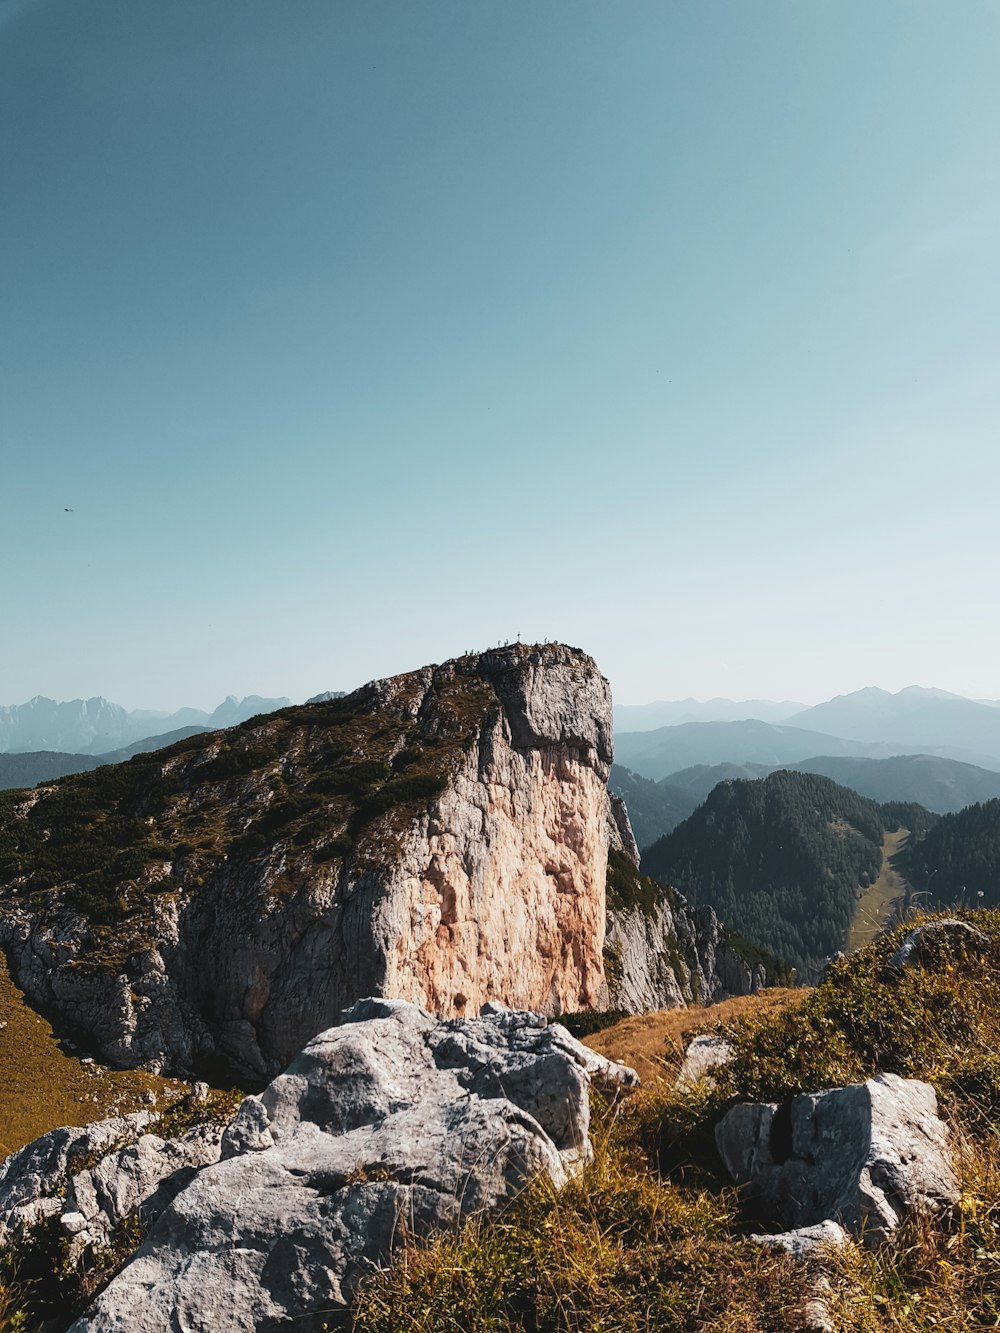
[{"x": 69, "y": 511}]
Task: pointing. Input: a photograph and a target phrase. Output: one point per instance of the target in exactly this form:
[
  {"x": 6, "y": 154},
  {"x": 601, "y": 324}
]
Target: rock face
[
  {"x": 137, "y": 1180},
  {"x": 439, "y": 837},
  {"x": 862, "y": 1155},
  {"x": 674, "y": 955},
  {"x": 33, "y": 1180},
  {"x": 393, "y": 1123},
  {"x": 659, "y": 952}
]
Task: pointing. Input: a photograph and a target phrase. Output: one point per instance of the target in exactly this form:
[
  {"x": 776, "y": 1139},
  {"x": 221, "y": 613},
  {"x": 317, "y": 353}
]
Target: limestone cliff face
[
  {"x": 659, "y": 952},
  {"x": 672, "y": 956},
  {"x": 439, "y": 837}
]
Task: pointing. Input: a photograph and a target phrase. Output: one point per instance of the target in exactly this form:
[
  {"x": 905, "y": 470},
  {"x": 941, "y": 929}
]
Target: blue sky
[{"x": 356, "y": 334}]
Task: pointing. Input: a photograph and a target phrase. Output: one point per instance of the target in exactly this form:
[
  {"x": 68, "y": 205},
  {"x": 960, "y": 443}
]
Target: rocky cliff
[
  {"x": 439, "y": 837},
  {"x": 659, "y": 951}
]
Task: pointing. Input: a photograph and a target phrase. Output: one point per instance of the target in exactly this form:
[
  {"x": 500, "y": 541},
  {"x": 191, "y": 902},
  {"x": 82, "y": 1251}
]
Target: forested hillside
[
  {"x": 782, "y": 860},
  {"x": 654, "y": 808},
  {"x": 958, "y": 859}
]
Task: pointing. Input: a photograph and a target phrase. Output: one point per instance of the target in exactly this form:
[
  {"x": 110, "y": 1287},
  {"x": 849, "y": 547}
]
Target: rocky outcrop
[
  {"x": 659, "y": 952},
  {"x": 393, "y": 1124},
  {"x": 804, "y": 1242},
  {"x": 703, "y": 1055},
  {"x": 863, "y": 1156},
  {"x": 33, "y": 1180},
  {"x": 439, "y": 837},
  {"x": 137, "y": 1181},
  {"x": 673, "y": 955}
]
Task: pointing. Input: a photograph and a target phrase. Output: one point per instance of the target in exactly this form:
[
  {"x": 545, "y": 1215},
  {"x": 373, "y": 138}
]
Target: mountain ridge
[
  {"x": 98, "y": 726},
  {"x": 657, "y": 754}
]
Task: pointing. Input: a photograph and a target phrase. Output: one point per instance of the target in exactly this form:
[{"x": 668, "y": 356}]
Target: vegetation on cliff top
[{"x": 313, "y": 782}]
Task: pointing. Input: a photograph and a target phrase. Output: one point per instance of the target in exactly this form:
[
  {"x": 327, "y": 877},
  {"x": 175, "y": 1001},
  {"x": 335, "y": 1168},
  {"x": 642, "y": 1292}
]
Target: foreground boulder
[
  {"x": 864, "y": 1155},
  {"x": 390, "y": 1125}
]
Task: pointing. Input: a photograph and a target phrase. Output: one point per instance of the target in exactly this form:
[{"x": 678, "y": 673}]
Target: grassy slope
[
  {"x": 650, "y": 1237},
  {"x": 42, "y": 1085},
  {"x": 875, "y": 906},
  {"x": 654, "y": 1044}
]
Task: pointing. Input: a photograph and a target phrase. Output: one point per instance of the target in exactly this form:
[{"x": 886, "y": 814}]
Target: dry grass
[
  {"x": 44, "y": 1086},
  {"x": 619, "y": 1250},
  {"x": 651, "y": 1238},
  {"x": 654, "y": 1044},
  {"x": 875, "y": 906},
  {"x": 937, "y": 1276}
]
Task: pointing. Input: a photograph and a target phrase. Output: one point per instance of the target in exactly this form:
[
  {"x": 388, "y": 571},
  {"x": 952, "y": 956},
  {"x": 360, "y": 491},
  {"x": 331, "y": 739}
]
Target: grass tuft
[{"x": 620, "y": 1248}]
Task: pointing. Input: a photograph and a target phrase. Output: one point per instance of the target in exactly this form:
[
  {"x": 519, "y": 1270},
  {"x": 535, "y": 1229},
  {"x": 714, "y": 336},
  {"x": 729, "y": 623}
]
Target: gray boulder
[
  {"x": 392, "y": 1124},
  {"x": 135, "y": 1181},
  {"x": 703, "y": 1054},
  {"x": 804, "y": 1242},
  {"x": 938, "y": 939},
  {"x": 33, "y": 1180},
  {"x": 863, "y": 1155}
]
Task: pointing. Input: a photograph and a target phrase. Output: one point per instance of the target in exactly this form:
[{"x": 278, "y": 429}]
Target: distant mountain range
[
  {"x": 658, "y": 754},
  {"x": 671, "y": 713},
  {"x": 654, "y": 808},
  {"x": 869, "y": 723},
  {"x": 97, "y": 726},
  {"x": 914, "y": 718},
  {"x": 27, "y": 770}
]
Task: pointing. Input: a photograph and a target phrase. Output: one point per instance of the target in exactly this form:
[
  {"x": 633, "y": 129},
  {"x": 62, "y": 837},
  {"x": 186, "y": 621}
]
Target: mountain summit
[{"x": 440, "y": 836}]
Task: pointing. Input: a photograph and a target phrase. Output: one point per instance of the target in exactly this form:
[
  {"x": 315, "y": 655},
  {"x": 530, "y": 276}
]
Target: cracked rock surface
[
  {"x": 864, "y": 1155},
  {"x": 33, "y": 1180},
  {"x": 392, "y": 1124}
]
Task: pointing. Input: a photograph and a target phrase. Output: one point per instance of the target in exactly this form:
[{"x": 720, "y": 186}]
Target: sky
[{"x": 356, "y": 334}]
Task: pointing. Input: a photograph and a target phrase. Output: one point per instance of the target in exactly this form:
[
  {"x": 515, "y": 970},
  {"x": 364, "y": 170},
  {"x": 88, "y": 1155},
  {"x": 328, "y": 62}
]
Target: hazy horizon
[
  {"x": 153, "y": 708},
  {"x": 353, "y": 336}
]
